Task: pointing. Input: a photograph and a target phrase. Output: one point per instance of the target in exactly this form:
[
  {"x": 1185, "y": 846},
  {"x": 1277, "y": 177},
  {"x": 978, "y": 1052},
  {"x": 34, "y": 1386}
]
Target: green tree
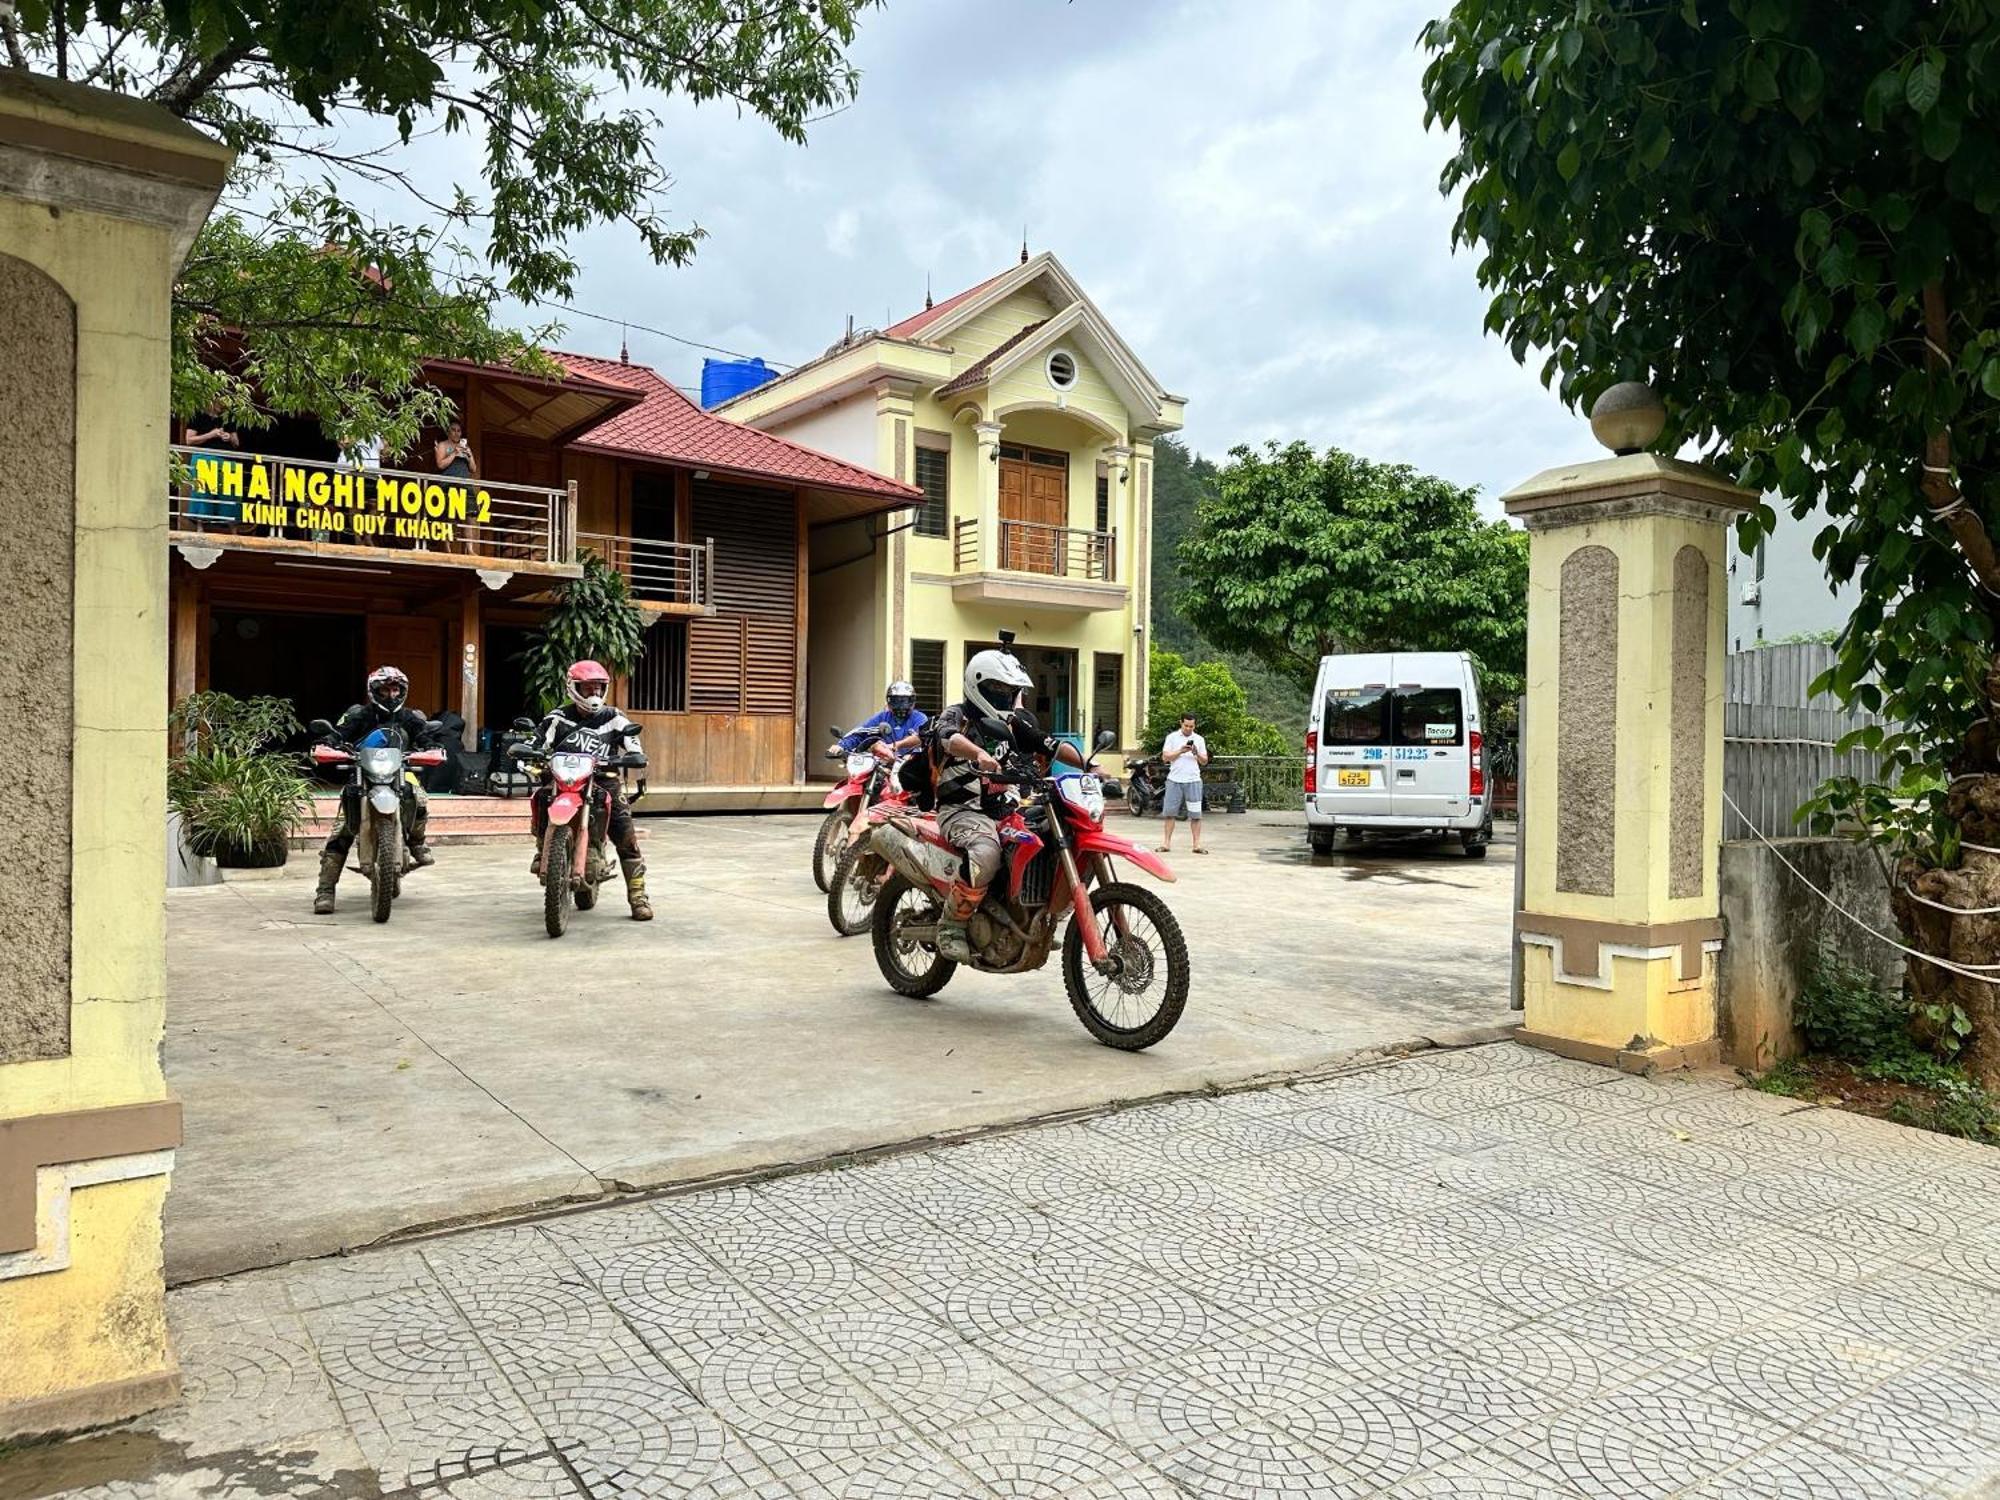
[
  {"x": 291, "y": 291},
  {"x": 1787, "y": 216},
  {"x": 1296, "y": 555},
  {"x": 1207, "y": 690},
  {"x": 593, "y": 619}
]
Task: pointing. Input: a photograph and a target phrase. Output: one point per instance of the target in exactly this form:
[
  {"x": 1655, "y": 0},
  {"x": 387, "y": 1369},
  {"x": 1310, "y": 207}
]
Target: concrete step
[{"x": 454, "y": 820}]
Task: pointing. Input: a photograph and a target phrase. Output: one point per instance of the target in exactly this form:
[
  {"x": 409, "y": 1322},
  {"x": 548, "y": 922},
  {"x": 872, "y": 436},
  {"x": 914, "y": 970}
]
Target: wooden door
[
  {"x": 415, "y": 644},
  {"x": 1036, "y": 494}
]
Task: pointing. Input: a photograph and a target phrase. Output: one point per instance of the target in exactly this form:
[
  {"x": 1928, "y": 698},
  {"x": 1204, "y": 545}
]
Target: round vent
[{"x": 1061, "y": 369}]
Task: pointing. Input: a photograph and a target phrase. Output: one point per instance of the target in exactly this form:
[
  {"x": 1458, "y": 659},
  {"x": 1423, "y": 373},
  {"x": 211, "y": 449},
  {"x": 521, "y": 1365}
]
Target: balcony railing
[
  {"x": 676, "y": 576},
  {"x": 1035, "y": 547},
  {"x": 295, "y": 505}
]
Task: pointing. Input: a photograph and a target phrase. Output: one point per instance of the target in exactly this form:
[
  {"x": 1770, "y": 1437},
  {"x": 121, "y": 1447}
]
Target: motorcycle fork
[{"x": 1083, "y": 916}]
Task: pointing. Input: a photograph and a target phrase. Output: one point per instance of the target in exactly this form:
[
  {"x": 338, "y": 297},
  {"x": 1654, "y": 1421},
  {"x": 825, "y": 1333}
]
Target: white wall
[
  {"x": 845, "y": 430},
  {"x": 842, "y": 686},
  {"x": 1794, "y": 597}
]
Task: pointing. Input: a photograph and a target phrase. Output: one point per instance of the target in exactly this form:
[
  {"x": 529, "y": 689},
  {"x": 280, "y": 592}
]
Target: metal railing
[
  {"x": 1036, "y": 547},
  {"x": 254, "y": 502},
  {"x": 1778, "y": 739},
  {"x": 679, "y": 574}
]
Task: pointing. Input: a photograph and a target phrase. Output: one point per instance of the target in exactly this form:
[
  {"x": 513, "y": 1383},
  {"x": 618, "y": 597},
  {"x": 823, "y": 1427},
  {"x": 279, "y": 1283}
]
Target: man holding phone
[{"x": 1185, "y": 753}]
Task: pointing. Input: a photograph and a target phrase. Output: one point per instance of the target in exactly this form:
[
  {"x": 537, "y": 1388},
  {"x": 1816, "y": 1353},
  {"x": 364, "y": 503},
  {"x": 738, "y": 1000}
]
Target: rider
[
  {"x": 589, "y": 724},
  {"x": 994, "y": 685},
  {"x": 901, "y": 723},
  {"x": 385, "y": 707}
]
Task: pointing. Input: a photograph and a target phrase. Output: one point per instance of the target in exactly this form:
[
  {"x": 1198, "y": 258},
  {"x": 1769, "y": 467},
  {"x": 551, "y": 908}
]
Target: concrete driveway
[{"x": 345, "y": 1081}]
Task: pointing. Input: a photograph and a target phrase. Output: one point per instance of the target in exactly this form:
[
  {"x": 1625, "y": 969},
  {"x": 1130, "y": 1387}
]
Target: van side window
[
  {"x": 1355, "y": 716},
  {"x": 1429, "y": 716}
]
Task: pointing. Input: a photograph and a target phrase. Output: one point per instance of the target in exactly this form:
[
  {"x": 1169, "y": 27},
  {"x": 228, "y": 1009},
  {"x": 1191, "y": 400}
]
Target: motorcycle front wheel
[
  {"x": 829, "y": 846},
  {"x": 556, "y": 892},
  {"x": 850, "y": 900},
  {"x": 388, "y": 865},
  {"x": 1141, "y": 999},
  {"x": 912, "y": 968}
]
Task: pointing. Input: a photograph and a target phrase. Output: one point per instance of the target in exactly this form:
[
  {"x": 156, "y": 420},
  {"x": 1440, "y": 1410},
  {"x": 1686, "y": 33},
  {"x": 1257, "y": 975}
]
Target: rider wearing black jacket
[
  {"x": 590, "y": 724},
  {"x": 384, "y": 707}
]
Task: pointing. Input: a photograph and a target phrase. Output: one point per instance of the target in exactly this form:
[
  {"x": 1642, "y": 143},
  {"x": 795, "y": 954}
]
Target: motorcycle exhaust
[{"x": 917, "y": 861}]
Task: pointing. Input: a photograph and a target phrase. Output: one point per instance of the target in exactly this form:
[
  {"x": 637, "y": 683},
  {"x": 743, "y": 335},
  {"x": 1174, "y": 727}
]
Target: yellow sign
[{"x": 360, "y": 503}]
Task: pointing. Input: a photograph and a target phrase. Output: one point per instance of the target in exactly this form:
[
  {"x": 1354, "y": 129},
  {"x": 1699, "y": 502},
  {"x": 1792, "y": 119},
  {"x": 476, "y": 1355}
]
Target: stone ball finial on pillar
[{"x": 1629, "y": 417}]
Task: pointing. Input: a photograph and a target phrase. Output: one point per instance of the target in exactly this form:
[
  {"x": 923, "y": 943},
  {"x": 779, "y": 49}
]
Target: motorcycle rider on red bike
[
  {"x": 963, "y": 747},
  {"x": 901, "y": 723},
  {"x": 588, "y": 723},
  {"x": 385, "y": 707}
]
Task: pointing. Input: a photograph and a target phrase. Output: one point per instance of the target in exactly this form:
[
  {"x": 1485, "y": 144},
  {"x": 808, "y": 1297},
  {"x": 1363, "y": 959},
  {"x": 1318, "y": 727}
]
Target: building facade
[
  {"x": 294, "y": 573},
  {"x": 1028, "y": 425},
  {"x": 1781, "y": 593}
]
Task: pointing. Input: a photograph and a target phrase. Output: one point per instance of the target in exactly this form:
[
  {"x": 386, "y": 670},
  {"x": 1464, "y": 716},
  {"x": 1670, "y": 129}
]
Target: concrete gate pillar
[
  {"x": 1620, "y": 925},
  {"x": 100, "y": 197}
]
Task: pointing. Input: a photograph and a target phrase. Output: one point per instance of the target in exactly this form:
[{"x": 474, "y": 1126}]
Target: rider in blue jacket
[{"x": 901, "y": 722}]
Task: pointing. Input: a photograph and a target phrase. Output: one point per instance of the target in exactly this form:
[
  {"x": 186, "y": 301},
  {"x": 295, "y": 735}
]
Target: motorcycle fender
[
  {"x": 1103, "y": 843},
  {"x": 564, "y": 806},
  {"x": 841, "y": 793},
  {"x": 384, "y": 799}
]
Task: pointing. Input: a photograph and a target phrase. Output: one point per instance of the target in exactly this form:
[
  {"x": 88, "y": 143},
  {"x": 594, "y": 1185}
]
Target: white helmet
[{"x": 994, "y": 682}]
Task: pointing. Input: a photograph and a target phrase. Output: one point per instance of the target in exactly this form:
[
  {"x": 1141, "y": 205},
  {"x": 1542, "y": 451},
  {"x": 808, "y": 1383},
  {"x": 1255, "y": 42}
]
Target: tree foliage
[
  {"x": 1207, "y": 690},
  {"x": 320, "y": 96},
  {"x": 1787, "y": 216},
  {"x": 1296, "y": 555},
  {"x": 593, "y": 619}
]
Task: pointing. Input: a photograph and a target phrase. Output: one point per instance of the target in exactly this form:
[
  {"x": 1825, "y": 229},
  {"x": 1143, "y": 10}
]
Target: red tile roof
[
  {"x": 914, "y": 325},
  {"x": 975, "y": 374},
  {"x": 669, "y": 428}
]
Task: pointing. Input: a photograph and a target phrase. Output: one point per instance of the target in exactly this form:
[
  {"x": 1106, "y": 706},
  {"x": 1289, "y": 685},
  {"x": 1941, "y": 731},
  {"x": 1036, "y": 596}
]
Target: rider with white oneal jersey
[{"x": 589, "y": 724}]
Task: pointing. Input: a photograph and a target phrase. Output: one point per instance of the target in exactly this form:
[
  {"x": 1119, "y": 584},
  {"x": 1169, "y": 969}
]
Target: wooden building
[{"x": 295, "y": 574}]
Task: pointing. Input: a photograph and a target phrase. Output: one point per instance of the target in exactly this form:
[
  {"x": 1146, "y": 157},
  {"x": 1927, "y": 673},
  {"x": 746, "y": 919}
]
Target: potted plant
[
  {"x": 593, "y": 618},
  {"x": 239, "y": 801}
]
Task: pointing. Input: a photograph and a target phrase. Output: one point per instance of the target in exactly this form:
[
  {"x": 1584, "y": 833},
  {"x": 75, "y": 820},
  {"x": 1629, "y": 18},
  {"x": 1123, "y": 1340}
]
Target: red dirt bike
[
  {"x": 1125, "y": 962},
  {"x": 870, "y": 777},
  {"x": 388, "y": 798},
  {"x": 576, "y": 846}
]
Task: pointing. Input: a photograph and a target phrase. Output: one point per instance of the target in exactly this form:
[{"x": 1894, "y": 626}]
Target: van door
[
  {"x": 1432, "y": 756},
  {"x": 1354, "y": 766}
]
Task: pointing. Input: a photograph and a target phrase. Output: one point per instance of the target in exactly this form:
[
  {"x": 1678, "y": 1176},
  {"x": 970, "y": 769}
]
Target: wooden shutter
[
  {"x": 927, "y": 674},
  {"x": 934, "y": 479},
  {"x": 1106, "y": 690},
  {"x": 744, "y": 657}
]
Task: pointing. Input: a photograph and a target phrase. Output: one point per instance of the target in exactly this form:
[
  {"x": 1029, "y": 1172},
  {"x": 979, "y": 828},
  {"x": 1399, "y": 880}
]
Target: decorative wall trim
[
  {"x": 53, "y": 1188},
  {"x": 1687, "y": 729},
  {"x": 32, "y": 1142},
  {"x": 1587, "y": 723},
  {"x": 93, "y": 1406},
  {"x": 1584, "y": 944}
]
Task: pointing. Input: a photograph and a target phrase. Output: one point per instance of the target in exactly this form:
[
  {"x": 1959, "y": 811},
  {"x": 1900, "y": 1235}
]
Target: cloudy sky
[{"x": 1246, "y": 189}]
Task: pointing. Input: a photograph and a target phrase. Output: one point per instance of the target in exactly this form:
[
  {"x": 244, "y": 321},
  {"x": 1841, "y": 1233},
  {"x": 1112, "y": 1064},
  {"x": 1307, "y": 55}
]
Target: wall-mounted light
[{"x": 993, "y": 454}]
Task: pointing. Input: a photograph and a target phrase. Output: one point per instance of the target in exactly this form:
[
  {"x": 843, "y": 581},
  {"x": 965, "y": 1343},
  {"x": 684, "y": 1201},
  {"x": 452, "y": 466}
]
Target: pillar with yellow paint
[
  {"x": 1620, "y": 925},
  {"x": 100, "y": 198}
]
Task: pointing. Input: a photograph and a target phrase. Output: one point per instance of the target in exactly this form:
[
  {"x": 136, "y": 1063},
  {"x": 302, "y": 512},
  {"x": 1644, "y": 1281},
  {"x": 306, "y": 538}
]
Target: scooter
[
  {"x": 1124, "y": 959},
  {"x": 382, "y": 763},
  {"x": 1144, "y": 782},
  {"x": 577, "y": 856},
  {"x": 870, "y": 776}
]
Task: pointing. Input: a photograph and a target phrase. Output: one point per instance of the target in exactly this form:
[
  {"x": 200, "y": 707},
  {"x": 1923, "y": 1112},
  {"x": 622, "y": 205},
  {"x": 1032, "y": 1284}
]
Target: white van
[{"x": 1393, "y": 744}]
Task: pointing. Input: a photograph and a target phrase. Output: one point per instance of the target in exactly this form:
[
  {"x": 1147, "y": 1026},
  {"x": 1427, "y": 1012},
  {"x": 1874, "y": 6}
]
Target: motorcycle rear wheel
[
  {"x": 906, "y": 970},
  {"x": 388, "y": 865},
  {"x": 556, "y": 892},
  {"x": 851, "y": 899},
  {"x": 829, "y": 846},
  {"x": 1135, "y": 801},
  {"x": 1153, "y": 940}
]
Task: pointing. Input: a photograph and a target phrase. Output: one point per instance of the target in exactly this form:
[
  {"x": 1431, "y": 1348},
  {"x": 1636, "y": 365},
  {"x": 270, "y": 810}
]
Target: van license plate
[{"x": 1353, "y": 778}]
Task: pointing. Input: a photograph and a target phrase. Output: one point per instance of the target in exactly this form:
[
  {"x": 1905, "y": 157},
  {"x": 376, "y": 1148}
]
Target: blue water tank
[{"x": 723, "y": 379}]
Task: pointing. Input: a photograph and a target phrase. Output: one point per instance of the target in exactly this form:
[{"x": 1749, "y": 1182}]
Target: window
[
  {"x": 934, "y": 479},
  {"x": 1429, "y": 716},
  {"x": 1355, "y": 716},
  {"x": 659, "y": 681},
  {"x": 1103, "y": 502},
  {"x": 1061, "y": 369},
  {"x": 927, "y": 674},
  {"x": 1107, "y": 689}
]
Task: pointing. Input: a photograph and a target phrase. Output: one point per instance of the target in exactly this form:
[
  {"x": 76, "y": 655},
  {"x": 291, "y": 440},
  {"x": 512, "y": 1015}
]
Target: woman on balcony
[{"x": 454, "y": 454}]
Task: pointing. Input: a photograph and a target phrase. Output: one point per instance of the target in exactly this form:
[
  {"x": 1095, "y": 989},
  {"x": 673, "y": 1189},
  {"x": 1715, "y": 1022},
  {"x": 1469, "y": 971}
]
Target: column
[
  {"x": 1620, "y": 924},
  {"x": 1137, "y": 568},
  {"x": 987, "y": 435},
  {"x": 100, "y": 198}
]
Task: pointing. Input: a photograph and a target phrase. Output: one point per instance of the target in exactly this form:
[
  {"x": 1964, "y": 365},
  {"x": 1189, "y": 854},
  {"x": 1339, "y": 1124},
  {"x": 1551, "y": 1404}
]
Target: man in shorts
[{"x": 1185, "y": 753}]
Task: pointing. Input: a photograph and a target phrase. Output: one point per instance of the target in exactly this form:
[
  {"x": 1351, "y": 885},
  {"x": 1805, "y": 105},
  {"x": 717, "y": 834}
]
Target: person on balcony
[
  {"x": 454, "y": 454},
  {"x": 386, "y": 707},
  {"x": 212, "y": 440}
]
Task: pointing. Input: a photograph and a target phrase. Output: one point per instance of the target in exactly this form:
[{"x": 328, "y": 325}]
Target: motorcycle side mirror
[
  {"x": 998, "y": 728},
  {"x": 524, "y": 723},
  {"x": 319, "y": 729},
  {"x": 834, "y": 730},
  {"x": 1106, "y": 738}
]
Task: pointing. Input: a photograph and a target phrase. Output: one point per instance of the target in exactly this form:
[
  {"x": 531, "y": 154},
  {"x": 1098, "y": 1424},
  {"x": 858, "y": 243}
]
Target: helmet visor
[{"x": 388, "y": 693}]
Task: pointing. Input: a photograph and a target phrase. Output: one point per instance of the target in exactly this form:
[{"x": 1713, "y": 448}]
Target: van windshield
[
  {"x": 1355, "y": 716},
  {"x": 1429, "y": 716}
]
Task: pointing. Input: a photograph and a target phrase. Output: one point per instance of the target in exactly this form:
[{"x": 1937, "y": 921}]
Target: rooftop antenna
[
  {"x": 850, "y": 330},
  {"x": 927, "y": 291},
  {"x": 624, "y": 349},
  {"x": 1024, "y": 244}
]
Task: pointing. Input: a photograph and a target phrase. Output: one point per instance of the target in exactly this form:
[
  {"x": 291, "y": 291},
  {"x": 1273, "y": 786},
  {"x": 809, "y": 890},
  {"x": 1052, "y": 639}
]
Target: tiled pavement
[{"x": 1487, "y": 1272}]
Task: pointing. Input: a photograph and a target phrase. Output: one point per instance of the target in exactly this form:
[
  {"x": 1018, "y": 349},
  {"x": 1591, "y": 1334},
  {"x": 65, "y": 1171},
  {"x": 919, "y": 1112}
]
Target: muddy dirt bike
[
  {"x": 870, "y": 777},
  {"x": 1124, "y": 960},
  {"x": 381, "y": 852},
  {"x": 577, "y": 856}
]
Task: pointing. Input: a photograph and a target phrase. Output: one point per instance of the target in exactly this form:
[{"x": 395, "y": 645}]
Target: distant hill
[{"x": 1180, "y": 479}]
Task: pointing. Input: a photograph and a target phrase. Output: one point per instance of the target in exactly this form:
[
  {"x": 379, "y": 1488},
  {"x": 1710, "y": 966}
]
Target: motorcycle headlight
[
  {"x": 1085, "y": 793},
  {"x": 860, "y": 763},
  {"x": 573, "y": 765},
  {"x": 379, "y": 763}
]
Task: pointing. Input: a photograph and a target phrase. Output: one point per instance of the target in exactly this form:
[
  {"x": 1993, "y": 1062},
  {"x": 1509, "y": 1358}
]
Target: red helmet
[
  {"x": 388, "y": 688},
  {"x": 589, "y": 684}
]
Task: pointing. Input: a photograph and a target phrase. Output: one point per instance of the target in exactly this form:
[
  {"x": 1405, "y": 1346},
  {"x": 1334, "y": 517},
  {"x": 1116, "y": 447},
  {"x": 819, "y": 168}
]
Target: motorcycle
[
  {"x": 860, "y": 873},
  {"x": 382, "y": 765},
  {"x": 577, "y": 856},
  {"x": 870, "y": 774},
  {"x": 1145, "y": 778},
  {"x": 1124, "y": 960}
]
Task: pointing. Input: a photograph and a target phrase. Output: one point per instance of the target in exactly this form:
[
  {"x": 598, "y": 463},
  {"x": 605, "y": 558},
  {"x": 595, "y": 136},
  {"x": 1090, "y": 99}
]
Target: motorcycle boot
[
  {"x": 635, "y": 887},
  {"x": 329, "y": 876},
  {"x": 952, "y": 940},
  {"x": 420, "y": 849}
]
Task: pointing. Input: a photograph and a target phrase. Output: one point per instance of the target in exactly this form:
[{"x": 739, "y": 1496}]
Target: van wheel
[
  {"x": 1321, "y": 840},
  {"x": 1475, "y": 844}
]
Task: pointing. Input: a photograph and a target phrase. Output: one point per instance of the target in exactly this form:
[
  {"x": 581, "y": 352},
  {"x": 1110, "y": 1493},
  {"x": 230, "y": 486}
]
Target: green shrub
[
  {"x": 1843, "y": 1012},
  {"x": 236, "y": 798}
]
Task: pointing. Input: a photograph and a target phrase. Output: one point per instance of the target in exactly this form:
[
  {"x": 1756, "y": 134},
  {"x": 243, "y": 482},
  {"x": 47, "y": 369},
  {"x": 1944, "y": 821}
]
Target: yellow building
[{"x": 1029, "y": 425}]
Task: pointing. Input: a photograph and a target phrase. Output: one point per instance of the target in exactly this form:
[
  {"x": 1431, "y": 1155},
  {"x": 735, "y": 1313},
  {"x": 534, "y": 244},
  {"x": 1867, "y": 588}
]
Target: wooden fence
[{"x": 1778, "y": 738}]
